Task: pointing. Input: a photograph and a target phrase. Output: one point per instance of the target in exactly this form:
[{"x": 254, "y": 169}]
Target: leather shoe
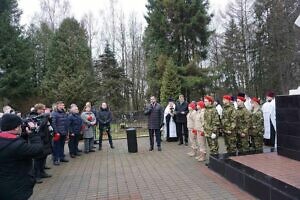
[
  {"x": 46, "y": 167},
  {"x": 151, "y": 149},
  {"x": 56, "y": 163},
  {"x": 64, "y": 160},
  {"x": 112, "y": 147},
  {"x": 72, "y": 156},
  {"x": 45, "y": 175},
  {"x": 159, "y": 148},
  {"x": 180, "y": 143},
  {"x": 92, "y": 150},
  {"x": 38, "y": 180}
]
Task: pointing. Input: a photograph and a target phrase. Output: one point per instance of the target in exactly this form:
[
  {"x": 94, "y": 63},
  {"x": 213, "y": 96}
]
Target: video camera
[{"x": 37, "y": 120}]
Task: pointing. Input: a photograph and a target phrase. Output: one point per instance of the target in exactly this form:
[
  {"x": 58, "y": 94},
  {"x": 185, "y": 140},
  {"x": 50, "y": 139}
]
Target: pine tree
[
  {"x": 69, "y": 72},
  {"x": 111, "y": 80},
  {"x": 171, "y": 84},
  {"x": 16, "y": 56}
]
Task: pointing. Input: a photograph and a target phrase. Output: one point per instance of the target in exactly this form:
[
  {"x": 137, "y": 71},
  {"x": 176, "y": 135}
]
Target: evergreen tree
[
  {"x": 111, "y": 80},
  {"x": 16, "y": 56},
  {"x": 69, "y": 72},
  {"x": 171, "y": 84},
  {"x": 177, "y": 29}
]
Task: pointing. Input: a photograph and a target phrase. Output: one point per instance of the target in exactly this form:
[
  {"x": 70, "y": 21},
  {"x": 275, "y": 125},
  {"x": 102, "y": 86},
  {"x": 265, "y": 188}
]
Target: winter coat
[
  {"x": 181, "y": 107},
  {"x": 199, "y": 120},
  {"x": 211, "y": 121},
  {"x": 104, "y": 118},
  {"x": 243, "y": 120},
  {"x": 75, "y": 123},
  {"x": 191, "y": 119},
  {"x": 60, "y": 122},
  {"x": 155, "y": 116},
  {"x": 88, "y": 131},
  {"x": 229, "y": 119},
  {"x": 16, "y": 180}
]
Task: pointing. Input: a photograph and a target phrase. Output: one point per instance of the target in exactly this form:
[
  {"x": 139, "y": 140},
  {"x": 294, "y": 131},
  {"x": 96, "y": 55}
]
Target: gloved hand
[{"x": 213, "y": 136}]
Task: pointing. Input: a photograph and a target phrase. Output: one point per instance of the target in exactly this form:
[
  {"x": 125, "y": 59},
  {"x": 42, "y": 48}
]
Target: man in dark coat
[
  {"x": 60, "y": 127},
  {"x": 181, "y": 111},
  {"x": 75, "y": 125},
  {"x": 16, "y": 156},
  {"x": 43, "y": 131},
  {"x": 155, "y": 114},
  {"x": 104, "y": 118}
]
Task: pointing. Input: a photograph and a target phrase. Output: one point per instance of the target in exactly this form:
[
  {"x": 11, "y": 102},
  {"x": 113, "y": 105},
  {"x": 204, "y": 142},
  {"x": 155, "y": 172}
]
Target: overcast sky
[{"x": 80, "y": 7}]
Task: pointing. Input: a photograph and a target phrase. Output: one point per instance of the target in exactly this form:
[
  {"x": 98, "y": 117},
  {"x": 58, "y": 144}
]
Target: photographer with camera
[
  {"x": 38, "y": 115},
  {"x": 16, "y": 156}
]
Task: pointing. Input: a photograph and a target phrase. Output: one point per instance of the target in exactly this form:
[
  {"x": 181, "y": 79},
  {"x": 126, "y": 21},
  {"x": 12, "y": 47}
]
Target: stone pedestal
[{"x": 288, "y": 126}]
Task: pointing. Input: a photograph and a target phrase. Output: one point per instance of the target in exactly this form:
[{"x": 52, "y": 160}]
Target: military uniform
[
  {"x": 257, "y": 130},
  {"x": 228, "y": 128},
  {"x": 211, "y": 125},
  {"x": 243, "y": 121}
]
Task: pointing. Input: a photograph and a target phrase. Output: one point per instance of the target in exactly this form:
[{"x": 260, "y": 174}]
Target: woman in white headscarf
[{"x": 170, "y": 126}]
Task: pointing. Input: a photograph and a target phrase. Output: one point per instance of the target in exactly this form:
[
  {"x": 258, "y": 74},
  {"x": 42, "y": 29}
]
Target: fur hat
[
  {"x": 270, "y": 94},
  {"x": 10, "y": 122}
]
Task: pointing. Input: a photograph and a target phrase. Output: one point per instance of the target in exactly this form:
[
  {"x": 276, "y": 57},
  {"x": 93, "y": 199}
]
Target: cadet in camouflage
[
  {"x": 211, "y": 125},
  {"x": 243, "y": 120},
  {"x": 229, "y": 124},
  {"x": 257, "y": 126}
]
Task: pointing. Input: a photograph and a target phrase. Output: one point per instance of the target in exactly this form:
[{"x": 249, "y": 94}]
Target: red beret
[
  {"x": 209, "y": 98},
  {"x": 228, "y": 97},
  {"x": 241, "y": 98},
  {"x": 201, "y": 104},
  {"x": 192, "y": 105},
  {"x": 256, "y": 100}
]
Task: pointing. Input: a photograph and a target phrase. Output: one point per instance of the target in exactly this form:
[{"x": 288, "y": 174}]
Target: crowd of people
[
  {"x": 25, "y": 143},
  {"x": 241, "y": 121}
]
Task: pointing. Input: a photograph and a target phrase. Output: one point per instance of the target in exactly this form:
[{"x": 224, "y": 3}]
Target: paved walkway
[{"x": 116, "y": 174}]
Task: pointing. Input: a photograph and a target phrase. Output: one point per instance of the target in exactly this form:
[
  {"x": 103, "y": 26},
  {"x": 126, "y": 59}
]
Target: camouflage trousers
[
  {"x": 243, "y": 143},
  {"x": 213, "y": 145},
  {"x": 257, "y": 142},
  {"x": 230, "y": 142}
]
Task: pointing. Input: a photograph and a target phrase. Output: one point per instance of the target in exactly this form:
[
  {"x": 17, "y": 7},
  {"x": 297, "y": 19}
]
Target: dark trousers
[
  {"x": 157, "y": 136},
  {"x": 73, "y": 144},
  {"x": 271, "y": 141},
  {"x": 106, "y": 129},
  {"x": 58, "y": 148},
  {"x": 182, "y": 130},
  {"x": 38, "y": 166}
]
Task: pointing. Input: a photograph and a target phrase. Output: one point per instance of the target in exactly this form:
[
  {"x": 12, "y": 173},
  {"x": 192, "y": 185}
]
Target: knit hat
[
  {"x": 257, "y": 100},
  {"x": 192, "y": 105},
  {"x": 270, "y": 94},
  {"x": 10, "y": 122},
  {"x": 241, "y": 98},
  {"x": 201, "y": 104},
  {"x": 209, "y": 98},
  {"x": 227, "y": 97}
]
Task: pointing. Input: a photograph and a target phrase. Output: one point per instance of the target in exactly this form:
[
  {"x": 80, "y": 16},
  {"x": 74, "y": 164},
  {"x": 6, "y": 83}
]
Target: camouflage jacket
[
  {"x": 229, "y": 119},
  {"x": 257, "y": 123},
  {"x": 243, "y": 120},
  {"x": 211, "y": 121}
]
